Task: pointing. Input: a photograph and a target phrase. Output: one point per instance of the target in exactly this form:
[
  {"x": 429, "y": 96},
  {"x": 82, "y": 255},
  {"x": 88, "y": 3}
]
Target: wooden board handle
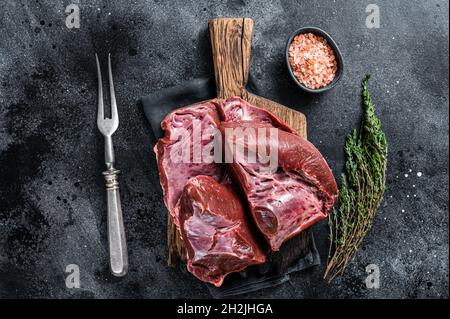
[{"x": 231, "y": 41}]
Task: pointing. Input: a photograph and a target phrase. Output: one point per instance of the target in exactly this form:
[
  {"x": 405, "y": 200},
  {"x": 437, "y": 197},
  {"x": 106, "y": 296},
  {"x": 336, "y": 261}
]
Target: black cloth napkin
[{"x": 297, "y": 254}]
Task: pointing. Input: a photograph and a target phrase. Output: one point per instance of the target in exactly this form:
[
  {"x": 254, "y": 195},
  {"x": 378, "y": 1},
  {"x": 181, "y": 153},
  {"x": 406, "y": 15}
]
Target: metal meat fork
[{"x": 107, "y": 126}]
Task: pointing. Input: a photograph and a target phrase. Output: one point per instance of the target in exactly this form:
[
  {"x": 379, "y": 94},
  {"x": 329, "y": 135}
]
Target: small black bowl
[{"x": 337, "y": 53}]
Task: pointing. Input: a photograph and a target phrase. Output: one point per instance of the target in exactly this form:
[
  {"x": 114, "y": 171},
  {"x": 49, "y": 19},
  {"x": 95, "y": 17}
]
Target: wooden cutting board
[{"x": 231, "y": 41}]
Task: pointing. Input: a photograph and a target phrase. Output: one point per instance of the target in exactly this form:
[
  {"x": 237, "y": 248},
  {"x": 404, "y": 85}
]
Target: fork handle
[{"x": 116, "y": 232}]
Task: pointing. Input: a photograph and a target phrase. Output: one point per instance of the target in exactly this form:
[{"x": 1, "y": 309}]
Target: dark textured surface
[{"x": 52, "y": 208}]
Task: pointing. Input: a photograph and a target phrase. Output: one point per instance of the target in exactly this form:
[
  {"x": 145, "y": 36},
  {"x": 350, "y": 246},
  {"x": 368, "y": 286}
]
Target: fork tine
[
  {"x": 114, "y": 115},
  {"x": 100, "y": 111}
]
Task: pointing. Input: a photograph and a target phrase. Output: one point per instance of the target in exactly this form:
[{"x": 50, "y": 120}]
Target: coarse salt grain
[{"x": 312, "y": 60}]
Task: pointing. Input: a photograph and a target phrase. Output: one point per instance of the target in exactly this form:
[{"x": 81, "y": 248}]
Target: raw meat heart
[
  {"x": 215, "y": 230},
  {"x": 288, "y": 198},
  {"x": 283, "y": 201},
  {"x": 173, "y": 176}
]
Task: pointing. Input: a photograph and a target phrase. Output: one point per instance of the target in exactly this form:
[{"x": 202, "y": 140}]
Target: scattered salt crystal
[
  {"x": 403, "y": 210},
  {"x": 407, "y": 196},
  {"x": 419, "y": 174},
  {"x": 415, "y": 195},
  {"x": 398, "y": 82},
  {"x": 406, "y": 175},
  {"x": 414, "y": 185},
  {"x": 410, "y": 251},
  {"x": 410, "y": 170}
]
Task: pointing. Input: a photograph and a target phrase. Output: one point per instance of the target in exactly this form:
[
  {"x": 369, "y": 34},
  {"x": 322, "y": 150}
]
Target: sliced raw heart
[
  {"x": 215, "y": 230},
  {"x": 288, "y": 198},
  {"x": 173, "y": 174}
]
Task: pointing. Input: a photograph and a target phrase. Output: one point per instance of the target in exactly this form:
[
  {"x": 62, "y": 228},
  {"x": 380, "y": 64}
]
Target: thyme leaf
[{"x": 362, "y": 188}]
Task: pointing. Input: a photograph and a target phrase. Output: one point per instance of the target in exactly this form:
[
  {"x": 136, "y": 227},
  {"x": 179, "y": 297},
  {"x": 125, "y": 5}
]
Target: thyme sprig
[{"x": 362, "y": 188}]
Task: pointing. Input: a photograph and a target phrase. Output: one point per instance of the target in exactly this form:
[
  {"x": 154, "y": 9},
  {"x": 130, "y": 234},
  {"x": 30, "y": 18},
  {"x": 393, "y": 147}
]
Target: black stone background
[{"x": 52, "y": 208}]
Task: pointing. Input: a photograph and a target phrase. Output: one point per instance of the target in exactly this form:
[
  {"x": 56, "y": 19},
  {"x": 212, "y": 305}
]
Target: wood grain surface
[{"x": 231, "y": 40}]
